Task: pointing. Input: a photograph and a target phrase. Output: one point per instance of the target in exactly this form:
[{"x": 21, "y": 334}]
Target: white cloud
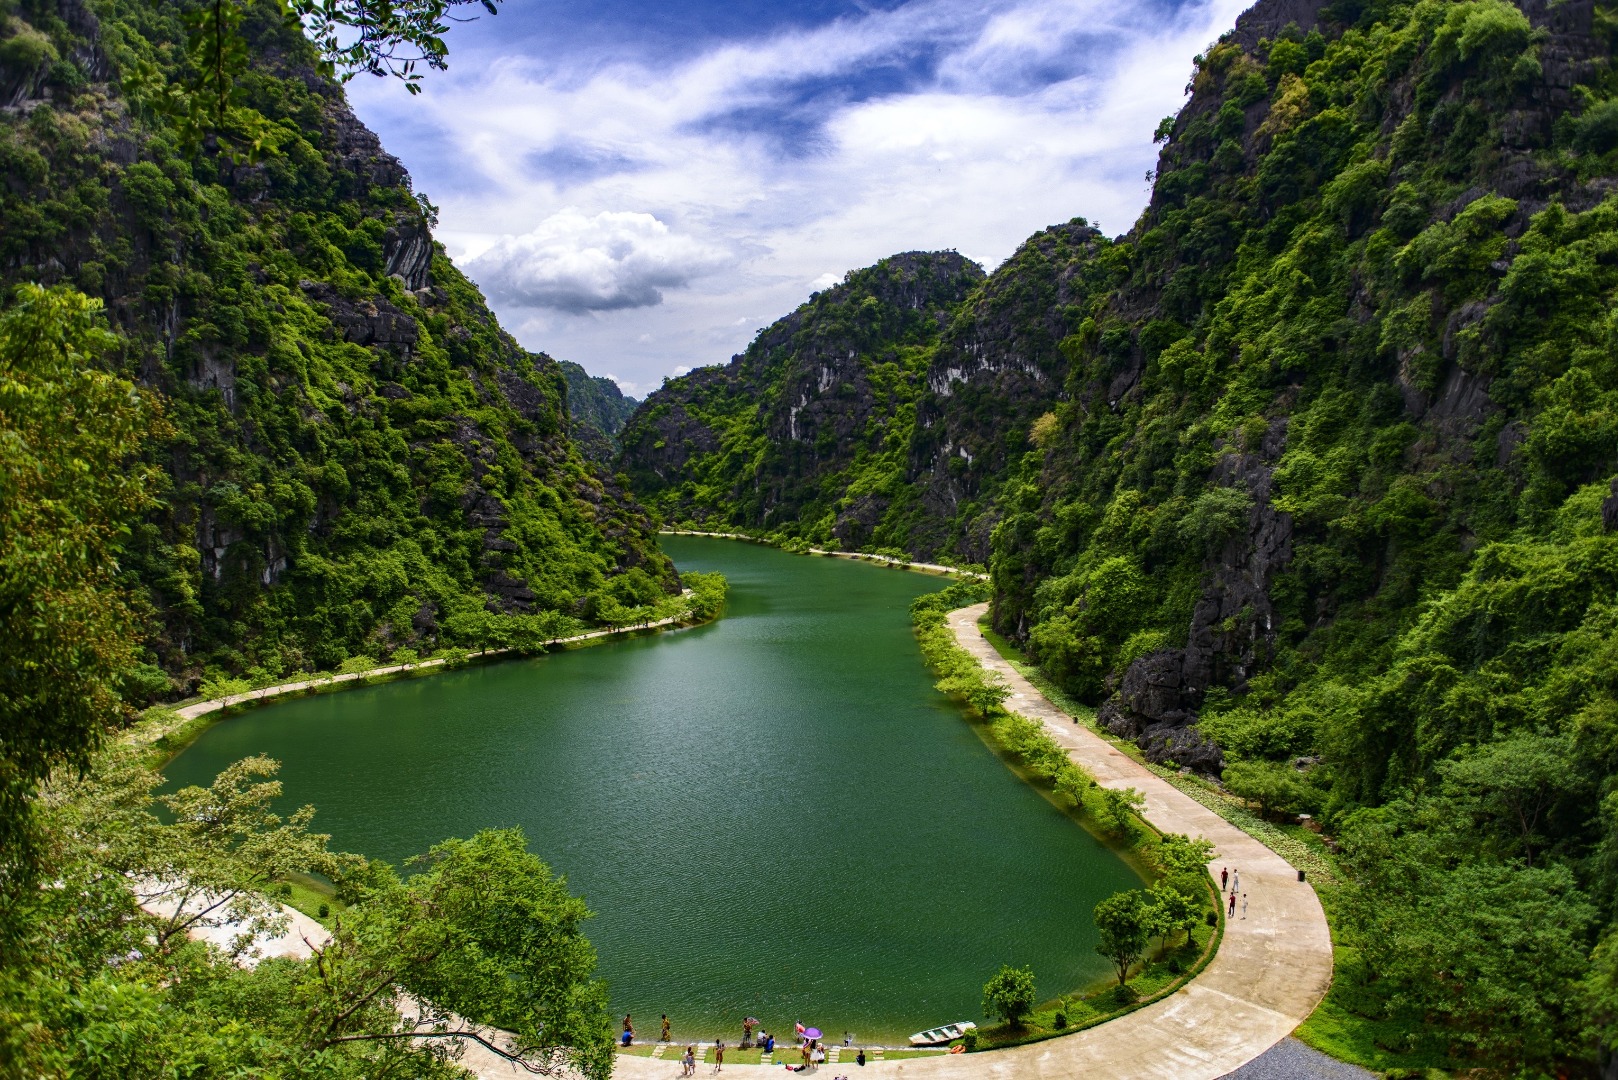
[
  {"x": 735, "y": 224},
  {"x": 605, "y": 262}
]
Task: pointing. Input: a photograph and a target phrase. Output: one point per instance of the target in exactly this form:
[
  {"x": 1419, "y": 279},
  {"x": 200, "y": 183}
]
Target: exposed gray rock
[{"x": 365, "y": 322}]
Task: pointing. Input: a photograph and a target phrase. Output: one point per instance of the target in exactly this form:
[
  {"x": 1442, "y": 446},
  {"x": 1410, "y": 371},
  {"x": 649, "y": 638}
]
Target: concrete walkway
[
  {"x": 1272, "y": 968},
  {"x": 202, "y": 708}
]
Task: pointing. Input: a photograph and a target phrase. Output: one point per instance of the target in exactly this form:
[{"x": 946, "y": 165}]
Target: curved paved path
[
  {"x": 202, "y": 708},
  {"x": 1271, "y": 970}
]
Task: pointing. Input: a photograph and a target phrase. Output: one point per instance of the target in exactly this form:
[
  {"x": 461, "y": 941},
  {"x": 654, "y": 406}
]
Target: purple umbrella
[{"x": 811, "y": 1033}]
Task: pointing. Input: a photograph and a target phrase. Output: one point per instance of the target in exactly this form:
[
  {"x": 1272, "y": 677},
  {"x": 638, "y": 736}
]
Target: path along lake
[{"x": 774, "y": 814}]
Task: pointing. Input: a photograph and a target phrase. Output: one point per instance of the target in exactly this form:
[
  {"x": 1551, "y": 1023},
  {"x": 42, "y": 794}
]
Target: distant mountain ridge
[{"x": 598, "y": 408}]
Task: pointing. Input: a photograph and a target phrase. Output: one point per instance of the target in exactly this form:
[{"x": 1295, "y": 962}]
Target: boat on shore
[{"x": 938, "y": 1035}]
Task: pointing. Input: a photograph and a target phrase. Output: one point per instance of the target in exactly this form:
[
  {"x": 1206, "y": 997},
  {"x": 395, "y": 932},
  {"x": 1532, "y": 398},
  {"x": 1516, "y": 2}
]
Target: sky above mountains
[{"x": 641, "y": 187}]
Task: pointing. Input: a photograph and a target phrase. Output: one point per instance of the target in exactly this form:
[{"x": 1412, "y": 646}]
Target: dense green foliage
[
  {"x": 69, "y": 491},
  {"x": 598, "y": 409},
  {"x": 360, "y": 459},
  {"x": 1009, "y": 994},
  {"x": 809, "y": 430},
  {"x": 93, "y": 984},
  {"x": 1324, "y": 492},
  {"x": 303, "y": 441}
]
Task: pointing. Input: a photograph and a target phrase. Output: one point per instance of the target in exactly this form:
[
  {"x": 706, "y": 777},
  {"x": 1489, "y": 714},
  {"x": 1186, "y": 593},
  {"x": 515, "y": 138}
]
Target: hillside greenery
[
  {"x": 252, "y": 422},
  {"x": 598, "y": 410},
  {"x": 808, "y": 431},
  {"x": 1325, "y": 496},
  {"x": 356, "y": 457}
]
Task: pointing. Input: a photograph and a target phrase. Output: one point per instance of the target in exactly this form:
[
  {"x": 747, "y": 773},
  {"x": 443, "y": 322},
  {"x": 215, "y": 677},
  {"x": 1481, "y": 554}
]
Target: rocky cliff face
[
  {"x": 598, "y": 410},
  {"x": 1298, "y": 283},
  {"x": 778, "y": 437},
  {"x": 362, "y": 458},
  {"x": 998, "y": 367}
]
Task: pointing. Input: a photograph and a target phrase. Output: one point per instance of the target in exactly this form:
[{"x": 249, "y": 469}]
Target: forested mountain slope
[
  {"x": 810, "y": 427},
  {"x": 360, "y": 458},
  {"x": 1326, "y": 497},
  {"x": 598, "y": 409}
]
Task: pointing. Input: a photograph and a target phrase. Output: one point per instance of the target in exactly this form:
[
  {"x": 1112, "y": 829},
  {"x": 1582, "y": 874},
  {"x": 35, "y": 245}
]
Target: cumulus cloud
[
  {"x": 763, "y": 168},
  {"x": 603, "y": 262}
]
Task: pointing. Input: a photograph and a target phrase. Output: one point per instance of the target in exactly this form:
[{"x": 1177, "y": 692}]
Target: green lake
[{"x": 774, "y": 814}]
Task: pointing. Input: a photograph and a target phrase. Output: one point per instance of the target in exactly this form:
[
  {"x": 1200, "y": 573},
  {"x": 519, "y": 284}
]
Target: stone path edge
[
  {"x": 1272, "y": 968},
  {"x": 151, "y": 734}
]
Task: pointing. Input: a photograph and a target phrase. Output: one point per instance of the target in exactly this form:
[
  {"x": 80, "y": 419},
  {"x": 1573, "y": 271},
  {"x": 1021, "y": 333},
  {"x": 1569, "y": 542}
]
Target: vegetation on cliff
[
  {"x": 809, "y": 429},
  {"x": 1319, "y": 485},
  {"x": 357, "y": 457},
  {"x": 285, "y": 433},
  {"x": 598, "y": 409}
]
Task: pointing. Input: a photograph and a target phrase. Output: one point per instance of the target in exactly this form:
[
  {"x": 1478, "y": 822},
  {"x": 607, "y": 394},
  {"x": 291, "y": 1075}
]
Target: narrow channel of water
[{"x": 775, "y": 814}]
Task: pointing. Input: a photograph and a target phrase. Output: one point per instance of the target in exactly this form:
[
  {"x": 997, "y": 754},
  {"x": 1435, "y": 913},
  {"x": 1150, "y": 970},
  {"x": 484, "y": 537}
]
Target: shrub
[{"x": 1009, "y": 994}]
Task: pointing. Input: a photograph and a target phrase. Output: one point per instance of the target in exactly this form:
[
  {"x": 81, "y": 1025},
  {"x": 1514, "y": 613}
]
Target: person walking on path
[
  {"x": 1232, "y": 910},
  {"x": 1224, "y": 878},
  {"x": 1244, "y": 905},
  {"x": 689, "y": 1062},
  {"x": 665, "y": 1036},
  {"x": 1236, "y": 881},
  {"x": 718, "y": 1055}
]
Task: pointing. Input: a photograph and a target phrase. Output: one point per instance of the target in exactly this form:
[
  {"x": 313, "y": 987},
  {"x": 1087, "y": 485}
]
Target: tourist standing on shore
[
  {"x": 665, "y": 1036},
  {"x": 689, "y": 1062},
  {"x": 718, "y": 1054}
]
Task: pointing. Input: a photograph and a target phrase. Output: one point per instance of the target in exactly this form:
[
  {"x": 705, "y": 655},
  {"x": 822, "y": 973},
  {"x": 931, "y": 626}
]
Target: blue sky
[{"x": 640, "y": 187}]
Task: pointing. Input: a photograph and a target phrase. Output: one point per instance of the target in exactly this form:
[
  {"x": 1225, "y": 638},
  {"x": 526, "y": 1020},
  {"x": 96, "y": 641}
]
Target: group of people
[
  {"x": 813, "y": 1054},
  {"x": 1233, "y": 885}
]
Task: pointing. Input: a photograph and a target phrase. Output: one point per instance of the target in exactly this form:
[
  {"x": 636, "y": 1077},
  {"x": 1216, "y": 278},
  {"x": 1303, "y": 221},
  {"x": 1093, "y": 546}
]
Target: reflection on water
[{"x": 775, "y": 814}]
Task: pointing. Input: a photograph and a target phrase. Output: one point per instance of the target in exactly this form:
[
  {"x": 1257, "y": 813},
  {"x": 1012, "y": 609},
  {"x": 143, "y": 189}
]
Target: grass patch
[
  {"x": 309, "y": 895},
  {"x": 897, "y": 1055},
  {"x": 1337, "y": 1028},
  {"x": 1161, "y": 977},
  {"x": 644, "y": 1050}
]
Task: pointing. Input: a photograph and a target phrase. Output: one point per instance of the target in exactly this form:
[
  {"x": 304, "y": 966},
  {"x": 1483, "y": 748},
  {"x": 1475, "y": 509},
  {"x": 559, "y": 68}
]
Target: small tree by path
[
  {"x": 1172, "y": 911},
  {"x": 1124, "y": 920},
  {"x": 1010, "y": 994},
  {"x": 1118, "y": 808}
]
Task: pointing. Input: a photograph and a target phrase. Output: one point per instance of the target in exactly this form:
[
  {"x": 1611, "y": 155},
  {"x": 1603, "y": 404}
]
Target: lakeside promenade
[
  {"x": 1271, "y": 970},
  {"x": 203, "y": 708}
]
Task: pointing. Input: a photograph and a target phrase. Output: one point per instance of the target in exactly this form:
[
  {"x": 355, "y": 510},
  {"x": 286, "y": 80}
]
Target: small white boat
[{"x": 936, "y": 1036}]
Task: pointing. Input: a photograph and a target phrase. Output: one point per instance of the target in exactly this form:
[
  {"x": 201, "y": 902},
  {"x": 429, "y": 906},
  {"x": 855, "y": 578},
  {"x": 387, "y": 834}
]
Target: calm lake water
[{"x": 775, "y": 814}]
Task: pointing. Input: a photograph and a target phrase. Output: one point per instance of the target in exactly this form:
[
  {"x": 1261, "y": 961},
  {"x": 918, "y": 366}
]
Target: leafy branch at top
[{"x": 386, "y": 38}]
